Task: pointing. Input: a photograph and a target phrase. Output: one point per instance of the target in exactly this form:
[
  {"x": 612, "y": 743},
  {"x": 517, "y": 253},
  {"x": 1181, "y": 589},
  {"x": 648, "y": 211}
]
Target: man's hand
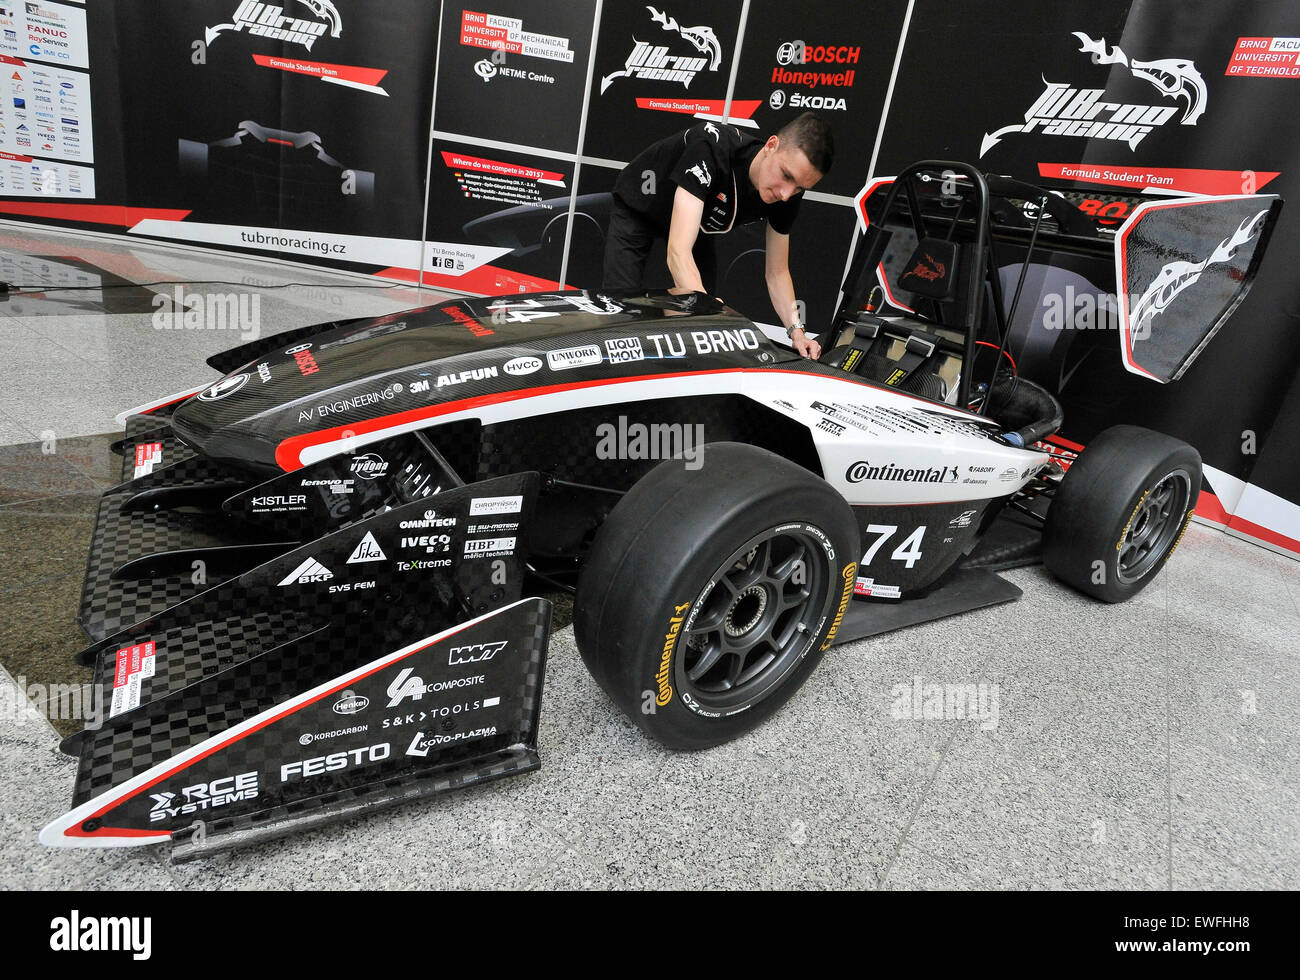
[
  {"x": 804, "y": 345},
  {"x": 780, "y": 289}
]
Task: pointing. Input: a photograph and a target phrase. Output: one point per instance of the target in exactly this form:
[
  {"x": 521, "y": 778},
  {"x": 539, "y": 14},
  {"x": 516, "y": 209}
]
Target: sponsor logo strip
[{"x": 68, "y": 829}]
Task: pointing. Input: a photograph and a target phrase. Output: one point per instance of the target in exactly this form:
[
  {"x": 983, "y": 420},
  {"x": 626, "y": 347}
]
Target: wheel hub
[
  {"x": 750, "y": 626},
  {"x": 746, "y": 611},
  {"x": 1154, "y": 527}
]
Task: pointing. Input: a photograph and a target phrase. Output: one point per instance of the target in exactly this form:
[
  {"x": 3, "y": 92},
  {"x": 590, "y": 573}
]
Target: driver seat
[{"x": 898, "y": 352}]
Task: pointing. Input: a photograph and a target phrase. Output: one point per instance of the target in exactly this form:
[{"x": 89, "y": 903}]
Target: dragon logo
[
  {"x": 1064, "y": 110},
  {"x": 701, "y": 173},
  {"x": 652, "y": 61},
  {"x": 269, "y": 20},
  {"x": 1176, "y": 277},
  {"x": 701, "y": 37},
  {"x": 935, "y": 270},
  {"x": 1175, "y": 78}
]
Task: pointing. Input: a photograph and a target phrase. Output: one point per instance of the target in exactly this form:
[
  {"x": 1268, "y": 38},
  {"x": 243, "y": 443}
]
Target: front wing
[{"x": 270, "y": 656}]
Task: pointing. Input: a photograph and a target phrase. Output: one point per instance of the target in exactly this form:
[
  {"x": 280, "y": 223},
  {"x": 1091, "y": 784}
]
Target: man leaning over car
[{"x": 710, "y": 179}]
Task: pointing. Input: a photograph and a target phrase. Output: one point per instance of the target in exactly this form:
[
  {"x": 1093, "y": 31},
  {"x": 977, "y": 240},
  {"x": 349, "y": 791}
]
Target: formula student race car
[{"x": 316, "y": 591}]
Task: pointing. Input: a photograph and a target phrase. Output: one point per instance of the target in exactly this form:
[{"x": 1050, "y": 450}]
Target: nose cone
[{"x": 215, "y": 421}]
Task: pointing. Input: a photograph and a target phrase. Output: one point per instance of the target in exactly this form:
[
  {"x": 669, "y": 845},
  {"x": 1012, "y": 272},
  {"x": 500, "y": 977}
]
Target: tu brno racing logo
[
  {"x": 652, "y": 61},
  {"x": 1063, "y": 110},
  {"x": 269, "y": 20}
]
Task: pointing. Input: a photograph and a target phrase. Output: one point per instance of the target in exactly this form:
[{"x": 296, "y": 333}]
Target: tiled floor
[{"x": 1150, "y": 745}]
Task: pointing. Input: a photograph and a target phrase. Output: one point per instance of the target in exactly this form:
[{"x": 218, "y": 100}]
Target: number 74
[{"x": 909, "y": 551}]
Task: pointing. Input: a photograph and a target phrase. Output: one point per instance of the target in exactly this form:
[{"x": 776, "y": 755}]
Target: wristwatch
[{"x": 789, "y": 331}]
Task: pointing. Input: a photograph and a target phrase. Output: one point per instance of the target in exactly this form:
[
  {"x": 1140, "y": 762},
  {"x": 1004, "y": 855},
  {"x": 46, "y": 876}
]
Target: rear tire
[
  {"x": 1120, "y": 512},
  {"x": 710, "y": 594}
]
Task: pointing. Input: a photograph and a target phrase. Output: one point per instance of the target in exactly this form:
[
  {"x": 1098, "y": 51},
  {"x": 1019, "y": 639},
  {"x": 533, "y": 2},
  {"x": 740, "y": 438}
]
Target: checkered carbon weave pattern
[
  {"x": 107, "y": 605},
  {"x": 215, "y": 669},
  {"x": 148, "y": 428},
  {"x": 278, "y": 758},
  {"x": 407, "y": 781},
  {"x": 161, "y": 729}
]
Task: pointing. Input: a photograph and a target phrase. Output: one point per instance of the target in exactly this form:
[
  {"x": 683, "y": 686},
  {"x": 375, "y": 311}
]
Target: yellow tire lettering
[
  {"x": 850, "y": 575},
  {"x": 662, "y": 678}
]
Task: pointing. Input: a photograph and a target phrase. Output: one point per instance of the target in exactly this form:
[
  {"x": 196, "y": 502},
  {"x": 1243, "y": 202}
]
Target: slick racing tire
[
  {"x": 1120, "y": 511},
  {"x": 710, "y": 594}
]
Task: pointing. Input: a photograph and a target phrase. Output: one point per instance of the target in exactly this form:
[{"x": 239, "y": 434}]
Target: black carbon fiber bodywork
[
  {"x": 193, "y": 673},
  {"x": 405, "y": 368},
  {"x": 306, "y": 597},
  {"x": 246, "y": 749},
  {"x": 108, "y": 604}
]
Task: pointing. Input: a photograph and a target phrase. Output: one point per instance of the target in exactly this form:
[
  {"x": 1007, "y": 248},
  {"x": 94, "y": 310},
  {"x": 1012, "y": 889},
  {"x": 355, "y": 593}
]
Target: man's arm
[
  {"x": 780, "y": 289},
  {"x": 683, "y": 229}
]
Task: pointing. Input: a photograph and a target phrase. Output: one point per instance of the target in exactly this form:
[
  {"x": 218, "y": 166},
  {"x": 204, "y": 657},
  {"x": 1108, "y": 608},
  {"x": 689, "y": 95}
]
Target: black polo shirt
[{"x": 710, "y": 161}]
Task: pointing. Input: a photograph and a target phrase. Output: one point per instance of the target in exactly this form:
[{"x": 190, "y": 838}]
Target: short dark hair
[{"x": 812, "y": 135}]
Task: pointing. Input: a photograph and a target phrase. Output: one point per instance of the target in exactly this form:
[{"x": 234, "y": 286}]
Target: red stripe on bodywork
[
  {"x": 1064, "y": 443},
  {"x": 288, "y": 454}
]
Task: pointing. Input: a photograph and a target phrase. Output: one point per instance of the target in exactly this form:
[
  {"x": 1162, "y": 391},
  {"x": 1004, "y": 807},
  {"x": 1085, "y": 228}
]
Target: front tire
[
  {"x": 710, "y": 595},
  {"x": 1120, "y": 512}
]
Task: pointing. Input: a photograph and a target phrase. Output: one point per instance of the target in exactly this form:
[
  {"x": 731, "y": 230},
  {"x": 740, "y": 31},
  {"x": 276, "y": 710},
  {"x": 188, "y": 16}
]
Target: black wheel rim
[
  {"x": 1154, "y": 527},
  {"x": 754, "y": 621}
]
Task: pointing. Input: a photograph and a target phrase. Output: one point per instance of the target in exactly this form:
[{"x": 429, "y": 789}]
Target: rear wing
[
  {"x": 1182, "y": 268},
  {"x": 1177, "y": 268}
]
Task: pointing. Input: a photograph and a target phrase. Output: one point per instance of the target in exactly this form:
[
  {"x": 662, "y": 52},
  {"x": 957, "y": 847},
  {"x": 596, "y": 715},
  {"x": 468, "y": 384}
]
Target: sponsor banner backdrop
[
  {"x": 1140, "y": 100},
  {"x": 57, "y": 143},
  {"x": 660, "y": 69},
  {"x": 45, "y": 111},
  {"x": 514, "y": 70},
  {"x": 308, "y": 118},
  {"x": 496, "y": 219},
  {"x": 965, "y": 76},
  {"x": 51, "y": 32},
  {"x": 824, "y": 59}
]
